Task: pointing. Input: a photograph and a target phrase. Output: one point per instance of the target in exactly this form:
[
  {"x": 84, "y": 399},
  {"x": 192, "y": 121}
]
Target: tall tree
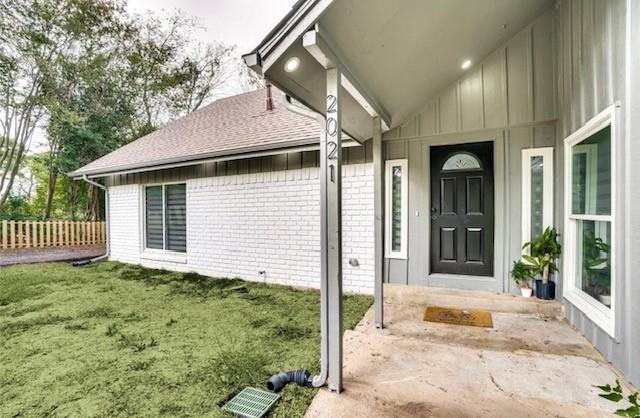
[
  {"x": 200, "y": 74},
  {"x": 170, "y": 73},
  {"x": 37, "y": 39},
  {"x": 88, "y": 121},
  {"x": 95, "y": 78}
]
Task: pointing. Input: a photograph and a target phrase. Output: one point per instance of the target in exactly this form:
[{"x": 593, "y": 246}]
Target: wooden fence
[{"x": 41, "y": 234}]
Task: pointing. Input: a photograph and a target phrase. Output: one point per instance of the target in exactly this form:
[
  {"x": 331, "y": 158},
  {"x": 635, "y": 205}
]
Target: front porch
[
  {"x": 532, "y": 363},
  {"x": 413, "y": 79}
]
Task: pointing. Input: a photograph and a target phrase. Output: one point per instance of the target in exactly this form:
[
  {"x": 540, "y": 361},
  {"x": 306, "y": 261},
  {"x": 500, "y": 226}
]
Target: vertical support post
[
  {"x": 331, "y": 223},
  {"x": 377, "y": 211},
  {"x": 630, "y": 227}
]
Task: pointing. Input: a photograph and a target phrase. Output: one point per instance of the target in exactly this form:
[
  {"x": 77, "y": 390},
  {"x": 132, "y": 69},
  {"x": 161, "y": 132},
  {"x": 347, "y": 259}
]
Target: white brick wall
[
  {"x": 242, "y": 224},
  {"x": 124, "y": 218}
]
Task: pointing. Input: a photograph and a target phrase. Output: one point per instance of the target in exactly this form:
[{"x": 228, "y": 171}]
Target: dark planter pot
[{"x": 545, "y": 291}]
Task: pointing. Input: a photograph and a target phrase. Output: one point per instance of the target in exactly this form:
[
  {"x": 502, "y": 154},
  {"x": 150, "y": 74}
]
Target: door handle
[{"x": 434, "y": 213}]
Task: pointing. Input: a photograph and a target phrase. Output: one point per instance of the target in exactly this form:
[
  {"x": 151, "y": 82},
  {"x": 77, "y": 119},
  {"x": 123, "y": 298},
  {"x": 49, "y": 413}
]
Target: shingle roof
[{"x": 228, "y": 126}]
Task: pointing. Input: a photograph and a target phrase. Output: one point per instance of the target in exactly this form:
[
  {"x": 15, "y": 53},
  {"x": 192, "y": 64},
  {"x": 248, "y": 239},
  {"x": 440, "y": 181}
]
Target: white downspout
[
  {"x": 318, "y": 380},
  {"x": 106, "y": 216}
]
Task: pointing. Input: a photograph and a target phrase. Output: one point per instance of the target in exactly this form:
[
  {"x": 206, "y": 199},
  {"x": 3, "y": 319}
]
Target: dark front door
[{"x": 462, "y": 209}]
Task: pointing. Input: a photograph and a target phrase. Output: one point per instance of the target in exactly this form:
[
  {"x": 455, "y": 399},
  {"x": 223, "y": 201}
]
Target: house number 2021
[{"x": 331, "y": 127}]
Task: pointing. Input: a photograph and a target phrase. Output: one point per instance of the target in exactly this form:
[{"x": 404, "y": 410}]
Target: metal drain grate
[{"x": 251, "y": 403}]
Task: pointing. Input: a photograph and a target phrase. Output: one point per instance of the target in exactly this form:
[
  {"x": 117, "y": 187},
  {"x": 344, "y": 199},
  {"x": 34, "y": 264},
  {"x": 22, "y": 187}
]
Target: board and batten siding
[
  {"x": 538, "y": 88},
  {"x": 591, "y": 75},
  {"x": 508, "y": 97},
  {"x": 241, "y": 224},
  {"x": 278, "y": 162}
]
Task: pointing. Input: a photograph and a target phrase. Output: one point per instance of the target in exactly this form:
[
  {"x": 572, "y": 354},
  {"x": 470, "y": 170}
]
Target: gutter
[
  {"x": 106, "y": 216},
  {"x": 302, "y": 111},
  {"x": 253, "y": 59},
  {"x": 187, "y": 163}
]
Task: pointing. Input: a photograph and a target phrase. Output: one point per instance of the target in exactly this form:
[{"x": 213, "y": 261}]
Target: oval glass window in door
[{"x": 461, "y": 161}]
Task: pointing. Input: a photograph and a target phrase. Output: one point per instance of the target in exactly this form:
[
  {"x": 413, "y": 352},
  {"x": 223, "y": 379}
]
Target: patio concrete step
[{"x": 470, "y": 299}]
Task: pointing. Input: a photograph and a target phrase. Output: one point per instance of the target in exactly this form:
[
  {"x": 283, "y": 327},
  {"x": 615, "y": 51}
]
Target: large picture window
[
  {"x": 396, "y": 208},
  {"x": 537, "y": 192},
  {"x": 166, "y": 217},
  {"x": 589, "y": 202}
]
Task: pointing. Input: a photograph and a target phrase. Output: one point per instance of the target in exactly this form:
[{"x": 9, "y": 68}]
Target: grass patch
[
  {"x": 23, "y": 310},
  {"x": 78, "y": 327},
  {"x": 8, "y": 329},
  {"x": 100, "y": 312},
  {"x": 118, "y": 340}
]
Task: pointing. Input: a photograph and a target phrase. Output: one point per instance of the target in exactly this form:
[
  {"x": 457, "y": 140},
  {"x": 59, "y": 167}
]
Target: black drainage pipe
[
  {"x": 81, "y": 263},
  {"x": 278, "y": 381}
]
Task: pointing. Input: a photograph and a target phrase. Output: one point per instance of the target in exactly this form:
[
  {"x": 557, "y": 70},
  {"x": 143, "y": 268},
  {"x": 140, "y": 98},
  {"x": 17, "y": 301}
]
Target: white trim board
[
  {"x": 500, "y": 277},
  {"x": 155, "y": 253},
  {"x": 547, "y": 194},
  {"x": 404, "y": 205},
  {"x": 599, "y": 314}
]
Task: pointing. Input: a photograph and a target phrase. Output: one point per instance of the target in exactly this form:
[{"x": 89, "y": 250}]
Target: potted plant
[
  {"x": 545, "y": 250},
  {"x": 522, "y": 273}
]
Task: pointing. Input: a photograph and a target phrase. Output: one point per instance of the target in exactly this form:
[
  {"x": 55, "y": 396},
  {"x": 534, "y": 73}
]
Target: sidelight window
[
  {"x": 589, "y": 203},
  {"x": 396, "y": 208},
  {"x": 537, "y": 192}
]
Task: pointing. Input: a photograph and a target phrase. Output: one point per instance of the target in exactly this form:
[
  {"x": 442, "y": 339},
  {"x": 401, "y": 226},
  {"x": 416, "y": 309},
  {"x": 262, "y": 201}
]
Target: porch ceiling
[{"x": 400, "y": 52}]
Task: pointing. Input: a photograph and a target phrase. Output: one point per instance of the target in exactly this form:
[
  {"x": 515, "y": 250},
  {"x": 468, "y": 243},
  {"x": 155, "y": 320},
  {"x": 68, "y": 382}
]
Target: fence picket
[
  {"x": 12, "y": 233},
  {"x": 5, "y": 233},
  {"x": 54, "y": 234},
  {"x": 18, "y": 234},
  {"x": 72, "y": 237}
]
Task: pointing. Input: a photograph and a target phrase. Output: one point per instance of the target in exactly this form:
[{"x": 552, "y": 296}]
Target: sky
[
  {"x": 234, "y": 22},
  {"x": 237, "y": 22}
]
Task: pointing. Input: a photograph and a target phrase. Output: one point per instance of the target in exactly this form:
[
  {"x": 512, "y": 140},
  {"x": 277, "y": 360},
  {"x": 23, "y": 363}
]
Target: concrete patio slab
[
  {"x": 528, "y": 365},
  {"x": 50, "y": 254}
]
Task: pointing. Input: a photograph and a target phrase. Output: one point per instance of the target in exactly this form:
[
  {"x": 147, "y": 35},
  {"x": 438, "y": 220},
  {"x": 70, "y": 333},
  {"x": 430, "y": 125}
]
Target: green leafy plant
[
  {"x": 545, "y": 250},
  {"x": 522, "y": 273},
  {"x": 595, "y": 267},
  {"x": 614, "y": 394}
]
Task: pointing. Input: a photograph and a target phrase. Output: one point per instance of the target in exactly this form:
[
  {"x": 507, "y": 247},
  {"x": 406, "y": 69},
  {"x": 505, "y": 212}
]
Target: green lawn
[{"x": 111, "y": 339}]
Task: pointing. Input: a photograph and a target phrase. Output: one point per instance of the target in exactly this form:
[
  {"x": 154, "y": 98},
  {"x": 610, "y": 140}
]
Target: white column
[
  {"x": 378, "y": 194},
  {"x": 331, "y": 248},
  {"x": 630, "y": 228}
]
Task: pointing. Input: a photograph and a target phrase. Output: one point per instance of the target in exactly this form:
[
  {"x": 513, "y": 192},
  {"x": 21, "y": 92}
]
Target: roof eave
[
  {"x": 302, "y": 16},
  {"x": 195, "y": 159}
]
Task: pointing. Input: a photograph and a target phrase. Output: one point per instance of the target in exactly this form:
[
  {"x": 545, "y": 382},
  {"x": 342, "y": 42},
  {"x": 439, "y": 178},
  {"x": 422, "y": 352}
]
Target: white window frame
[
  {"x": 547, "y": 185},
  {"x": 156, "y": 254},
  {"x": 597, "y": 312},
  {"x": 404, "y": 205}
]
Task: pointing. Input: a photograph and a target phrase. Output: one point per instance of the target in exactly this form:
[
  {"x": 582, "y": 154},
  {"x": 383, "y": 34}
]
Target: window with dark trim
[{"x": 166, "y": 217}]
